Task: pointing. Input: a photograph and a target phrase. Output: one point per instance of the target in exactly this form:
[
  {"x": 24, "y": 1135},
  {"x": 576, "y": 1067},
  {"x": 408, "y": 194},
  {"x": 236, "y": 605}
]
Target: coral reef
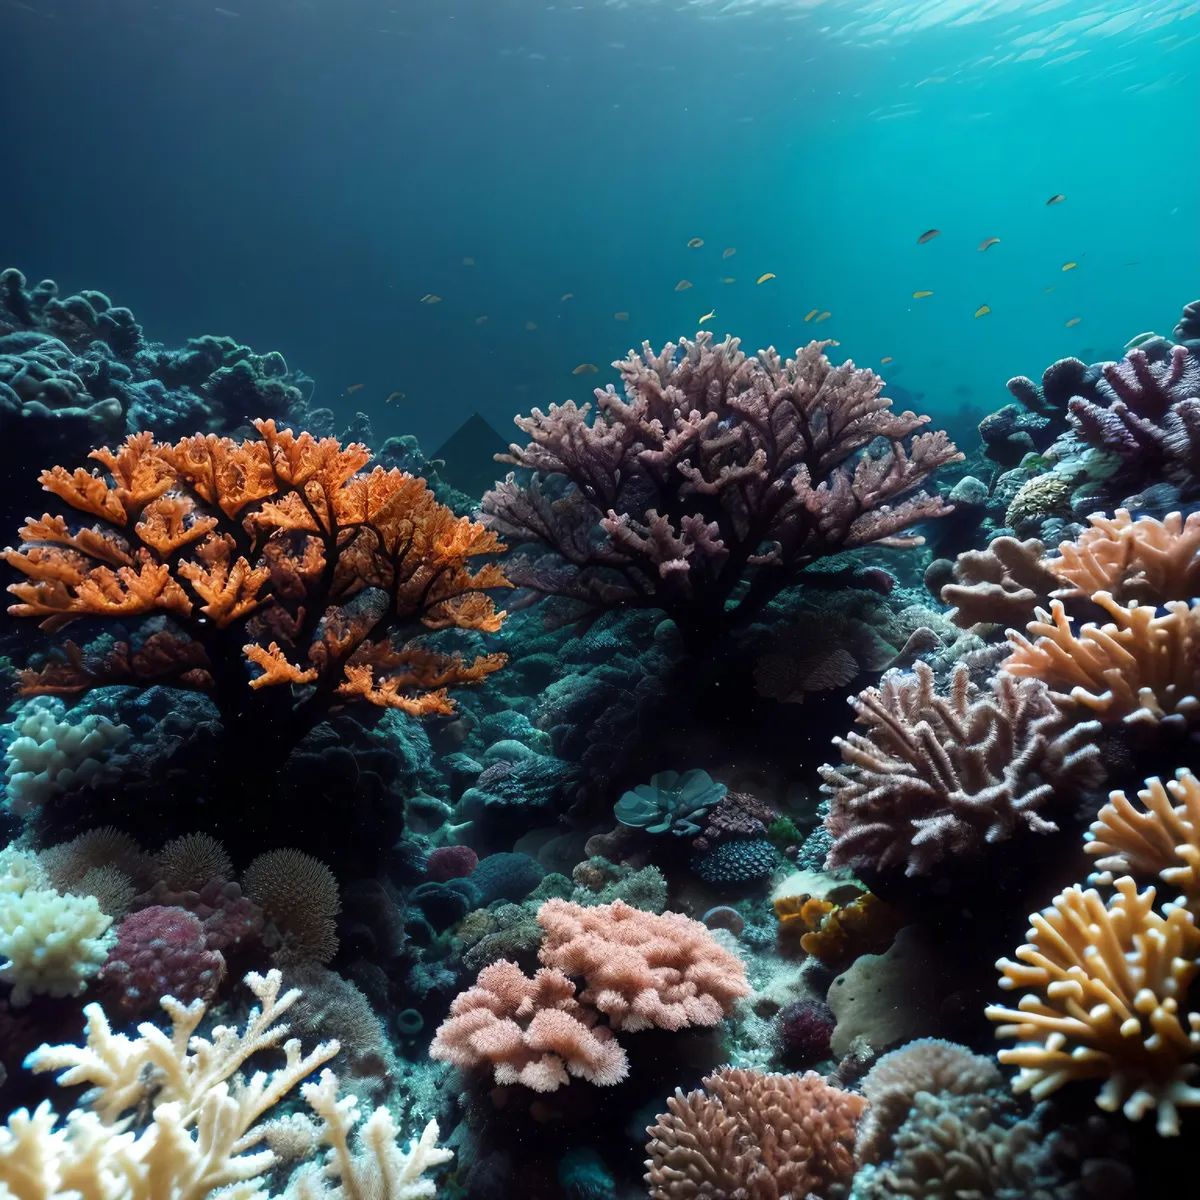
[
  {"x": 764, "y": 1137},
  {"x": 712, "y": 482},
  {"x": 947, "y": 775}
]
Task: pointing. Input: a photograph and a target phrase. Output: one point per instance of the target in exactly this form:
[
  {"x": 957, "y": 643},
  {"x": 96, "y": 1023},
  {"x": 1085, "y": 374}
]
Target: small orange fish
[
  {"x": 430, "y": 298},
  {"x": 729, "y": 252},
  {"x": 695, "y": 243},
  {"x": 928, "y": 236},
  {"x": 988, "y": 242},
  {"x": 394, "y": 396},
  {"x": 708, "y": 316},
  {"x": 682, "y": 285},
  {"x": 728, "y": 279},
  {"x": 531, "y": 325},
  {"x": 809, "y": 315},
  {"x": 764, "y": 278},
  {"x": 1074, "y": 321},
  {"x": 1057, "y": 198},
  {"x": 481, "y": 320},
  {"x": 1069, "y": 266},
  {"x": 621, "y": 316},
  {"x": 822, "y": 317},
  {"x": 468, "y": 262},
  {"x": 921, "y": 295},
  {"x": 355, "y": 387},
  {"x": 887, "y": 358},
  {"x": 585, "y": 369},
  {"x": 566, "y": 296},
  {"x": 982, "y": 311}
]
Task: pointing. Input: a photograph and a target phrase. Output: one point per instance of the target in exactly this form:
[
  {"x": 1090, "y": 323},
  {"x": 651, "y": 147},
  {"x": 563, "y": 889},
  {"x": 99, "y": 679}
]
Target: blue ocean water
[{"x": 301, "y": 174}]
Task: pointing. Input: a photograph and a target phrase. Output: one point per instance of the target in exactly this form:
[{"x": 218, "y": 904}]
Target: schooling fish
[
  {"x": 621, "y": 316},
  {"x": 468, "y": 262},
  {"x": 566, "y": 296},
  {"x": 728, "y": 279},
  {"x": 481, "y": 320},
  {"x": 531, "y": 325},
  {"x": 887, "y": 358},
  {"x": 809, "y": 316},
  {"x": 1074, "y": 321},
  {"x": 988, "y": 242},
  {"x": 585, "y": 369},
  {"x": 921, "y": 295},
  {"x": 394, "y": 396},
  {"x": 822, "y": 317},
  {"x": 682, "y": 285},
  {"x": 355, "y": 387},
  {"x": 768, "y": 275},
  {"x": 430, "y": 298},
  {"x": 729, "y": 252},
  {"x": 982, "y": 310},
  {"x": 708, "y": 316},
  {"x": 928, "y": 236},
  {"x": 1057, "y": 198},
  {"x": 1069, "y": 266},
  {"x": 695, "y": 243}
]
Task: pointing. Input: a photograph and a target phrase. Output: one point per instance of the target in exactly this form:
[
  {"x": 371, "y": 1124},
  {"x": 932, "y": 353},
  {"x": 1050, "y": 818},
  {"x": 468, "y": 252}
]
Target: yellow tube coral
[{"x": 1103, "y": 989}]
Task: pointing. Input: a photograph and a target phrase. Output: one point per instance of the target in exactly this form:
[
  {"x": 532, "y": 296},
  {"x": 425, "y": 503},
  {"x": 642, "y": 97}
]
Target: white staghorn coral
[
  {"x": 203, "y": 1132},
  {"x": 52, "y": 944},
  {"x": 50, "y": 755}
]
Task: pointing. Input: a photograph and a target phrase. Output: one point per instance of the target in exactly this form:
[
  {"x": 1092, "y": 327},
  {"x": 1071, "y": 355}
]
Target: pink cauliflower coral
[
  {"x": 530, "y": 1031},
  {"x": 160, "y": 952},
  {"x": 641, "y": 969}
]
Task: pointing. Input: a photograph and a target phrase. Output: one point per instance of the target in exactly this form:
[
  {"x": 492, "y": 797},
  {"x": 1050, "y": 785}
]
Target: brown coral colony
[{"x": 280, "y": 547}]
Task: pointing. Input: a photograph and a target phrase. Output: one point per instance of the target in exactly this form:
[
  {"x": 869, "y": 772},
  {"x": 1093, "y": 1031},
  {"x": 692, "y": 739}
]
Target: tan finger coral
[
  {"x": 1160, "y": 838},
  {"x": 753, "y": 1136},
  {"x": 1142, "y": 667},
  {"x": 1146, "y": 560},
  {"x": 1103, "y": 989}
]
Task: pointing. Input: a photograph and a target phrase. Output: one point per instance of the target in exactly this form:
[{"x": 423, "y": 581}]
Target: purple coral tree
[{"x": 712, "y": 480}]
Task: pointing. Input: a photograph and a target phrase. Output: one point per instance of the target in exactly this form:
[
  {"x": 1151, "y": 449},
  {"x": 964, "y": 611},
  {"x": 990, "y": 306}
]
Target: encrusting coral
[
  {"x": 1106, "y": 993},
  {"x": 642, "y": 970},
  {"x": 942, "y": 776},
  {"x": 639, "y": 970},
  {"x": 53, "y": 944},
  {"x": 279, "y": 547},
  {"x": 1142, "y": 667},
  {"x": 754, "y": 1136},
  {"x": 204, "y": 1135},
  {"x": 713, "y": 481},
  {"x": 530, "y": 1031}
]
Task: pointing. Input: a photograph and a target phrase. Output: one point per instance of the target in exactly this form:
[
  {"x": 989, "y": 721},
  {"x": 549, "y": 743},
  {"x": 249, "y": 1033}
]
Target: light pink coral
[
  {"x": 530, "y": 1031},
  {"x": 641, "y": 969}
]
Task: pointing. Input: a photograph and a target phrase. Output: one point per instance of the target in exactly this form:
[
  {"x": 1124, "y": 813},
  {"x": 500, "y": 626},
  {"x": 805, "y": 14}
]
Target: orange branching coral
[
  {"x": 1146, "y": 560},
  {"x": 529, "y": 1031},
  {"x": 642, "y": 969},
  {"x": 1106, "y": 989},
  {"x": 1142, "y": 667},
  {"x": 755, "y": 1137},
  {"x": 1159, "y": 839},
  {"x": 283, "y": 538}
]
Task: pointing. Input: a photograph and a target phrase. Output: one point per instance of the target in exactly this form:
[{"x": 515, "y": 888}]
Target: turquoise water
[{"x": 303, "y": 175}]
